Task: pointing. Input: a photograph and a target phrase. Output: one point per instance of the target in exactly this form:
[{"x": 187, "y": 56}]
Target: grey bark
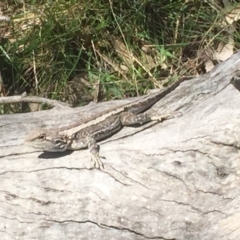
[{"x": 179, "y": 179}]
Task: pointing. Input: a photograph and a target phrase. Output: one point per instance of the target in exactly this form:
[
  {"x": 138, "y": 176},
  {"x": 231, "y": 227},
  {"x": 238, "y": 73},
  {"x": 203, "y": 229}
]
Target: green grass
[{"x": 123, "y": 47}]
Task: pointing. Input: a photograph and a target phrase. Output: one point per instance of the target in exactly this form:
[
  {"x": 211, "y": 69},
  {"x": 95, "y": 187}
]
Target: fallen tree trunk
[{"x": 175, "y": 180}]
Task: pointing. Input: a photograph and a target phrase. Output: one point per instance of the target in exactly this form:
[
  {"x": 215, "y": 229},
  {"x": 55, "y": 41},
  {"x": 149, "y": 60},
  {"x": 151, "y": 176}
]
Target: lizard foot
[
  {"x": 97, "y": 163},
  {"x": 94, "y": 149}
]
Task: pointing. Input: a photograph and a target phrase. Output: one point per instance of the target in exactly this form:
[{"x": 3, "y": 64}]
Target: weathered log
[{"x": 178, "y": 179}]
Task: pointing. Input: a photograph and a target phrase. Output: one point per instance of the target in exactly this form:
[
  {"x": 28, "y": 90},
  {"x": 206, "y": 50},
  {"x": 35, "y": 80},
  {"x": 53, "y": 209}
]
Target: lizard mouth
[{"x": 47, "y": 146}]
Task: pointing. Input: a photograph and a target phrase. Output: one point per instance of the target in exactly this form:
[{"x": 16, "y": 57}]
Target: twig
[
  {"x": 4, "y": 18},
  {"x": 18, "y": 99}
]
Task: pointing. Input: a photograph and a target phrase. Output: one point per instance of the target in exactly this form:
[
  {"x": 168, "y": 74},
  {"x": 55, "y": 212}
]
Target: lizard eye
[{"x": 42, "y": 136}]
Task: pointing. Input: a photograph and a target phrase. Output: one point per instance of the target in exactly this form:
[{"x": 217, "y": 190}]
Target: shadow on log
[{"x": 178, "y": 179}]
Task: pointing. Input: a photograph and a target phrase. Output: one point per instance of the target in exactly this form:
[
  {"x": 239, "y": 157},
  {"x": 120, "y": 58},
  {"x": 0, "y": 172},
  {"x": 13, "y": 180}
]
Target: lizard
[{"x": 86, "y": 134}]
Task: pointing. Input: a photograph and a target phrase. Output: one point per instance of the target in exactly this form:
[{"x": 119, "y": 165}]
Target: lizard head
[{"x": 46, "y": 140}]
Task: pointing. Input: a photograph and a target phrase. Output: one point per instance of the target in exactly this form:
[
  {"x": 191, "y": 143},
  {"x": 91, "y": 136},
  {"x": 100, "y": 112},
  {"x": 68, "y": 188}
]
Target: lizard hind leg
[
  {"x": 166, "y": 116},
  {"x": 128, "y": 118}
]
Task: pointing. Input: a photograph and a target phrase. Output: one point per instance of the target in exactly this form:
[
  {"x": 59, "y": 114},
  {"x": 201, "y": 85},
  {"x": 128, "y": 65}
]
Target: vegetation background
[{"x": 96, "y": 50}]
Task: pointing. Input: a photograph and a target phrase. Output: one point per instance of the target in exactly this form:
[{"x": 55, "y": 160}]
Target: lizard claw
[{"x": 97, "y": 163}]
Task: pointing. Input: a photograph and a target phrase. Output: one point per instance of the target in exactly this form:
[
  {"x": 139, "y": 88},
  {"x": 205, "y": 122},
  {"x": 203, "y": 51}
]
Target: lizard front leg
[
  {"x": 86, "y": 140},
  {"x": 94, "y": 150}
]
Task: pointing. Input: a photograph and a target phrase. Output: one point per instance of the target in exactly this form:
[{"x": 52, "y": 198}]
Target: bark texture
[{"x": 179, "y": 179}]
